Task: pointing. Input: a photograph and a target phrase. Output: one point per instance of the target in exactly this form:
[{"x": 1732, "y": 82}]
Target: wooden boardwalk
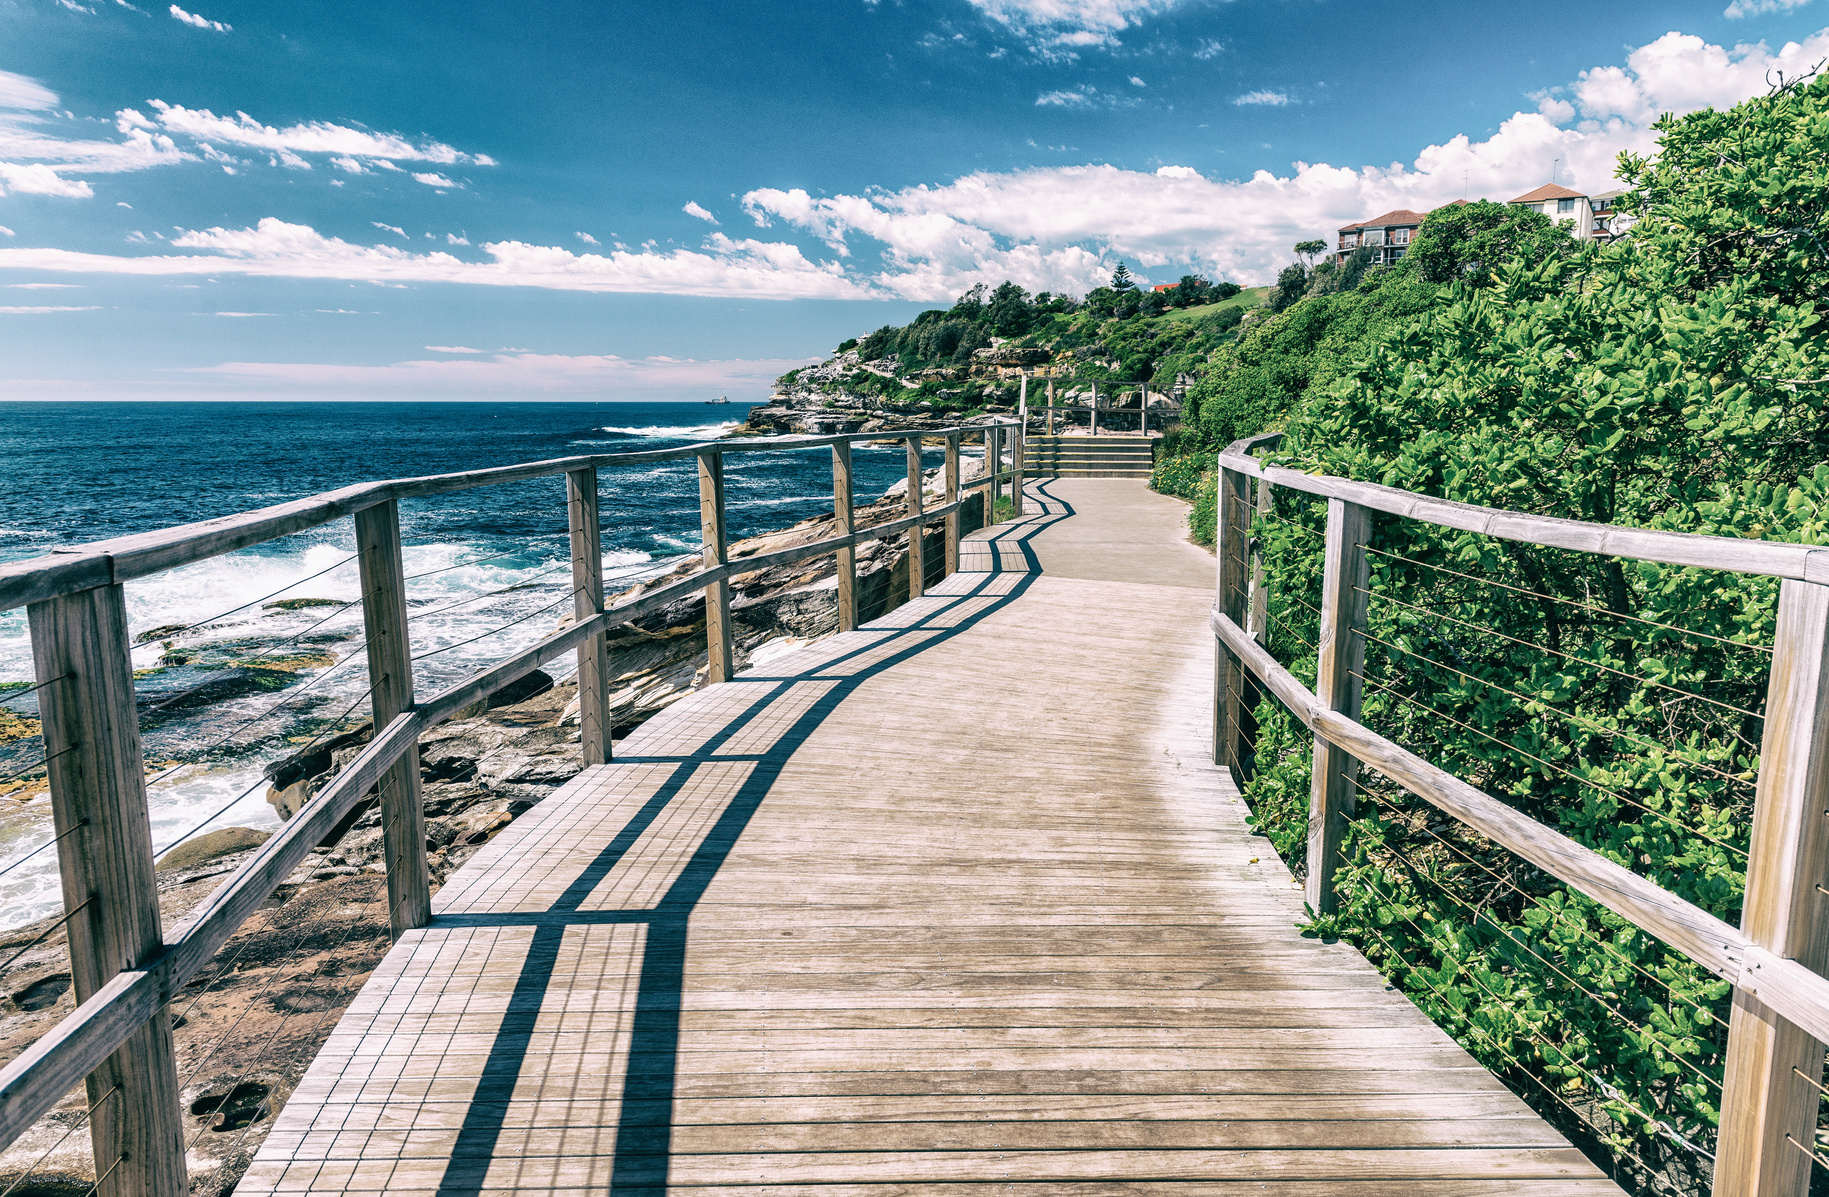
[{"x": 954, "y": 900}]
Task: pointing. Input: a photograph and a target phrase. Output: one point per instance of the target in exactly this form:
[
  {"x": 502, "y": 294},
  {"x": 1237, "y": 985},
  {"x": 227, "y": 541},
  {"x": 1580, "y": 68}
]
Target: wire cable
[{"x": 1570, "y": 602}]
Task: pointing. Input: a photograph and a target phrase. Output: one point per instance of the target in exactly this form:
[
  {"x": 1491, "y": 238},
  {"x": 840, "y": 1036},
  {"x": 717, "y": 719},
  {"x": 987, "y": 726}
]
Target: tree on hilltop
[
  {"x": 1307, "y": 251},
  {"x": 1121, "y": 279}
]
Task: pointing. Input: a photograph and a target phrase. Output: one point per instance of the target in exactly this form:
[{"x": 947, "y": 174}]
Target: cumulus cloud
[
  {"x": 433, "y": 179},
  {"x": 191, "y": 18},
  {"x": 18, "y": 91},
  {"x": 454, "y": 239},
  {"x": 587, "y": 238},
  {"x": 1056, "y": 228},
  {"x": 38, "y": 179},
  {"x": 692, "y": 208},
  {"x": 1271, "y": 98},
  {"x": 307, "y": 137},
  {"x": 723, "y": 266}
]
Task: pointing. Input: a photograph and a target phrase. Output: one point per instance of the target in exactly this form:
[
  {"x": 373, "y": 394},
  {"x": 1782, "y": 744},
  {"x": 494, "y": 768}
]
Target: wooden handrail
[
  {"x": 1775, "y": 960},
  {"x": 1775, "y": 559},
  {"x": 118, "y": 1010},
  {"x": 123, "y": 558}
]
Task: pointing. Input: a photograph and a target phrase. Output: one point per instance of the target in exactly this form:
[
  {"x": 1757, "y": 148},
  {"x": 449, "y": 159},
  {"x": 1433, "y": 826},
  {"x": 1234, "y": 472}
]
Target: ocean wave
[{"x": 666, "y": 432}]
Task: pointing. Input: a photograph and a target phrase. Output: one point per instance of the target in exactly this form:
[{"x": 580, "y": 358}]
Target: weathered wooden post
[
  {"x": 1020, "y": 445},
  {"x": 1769, "y": 1091},
  {"x": 1233, "y": 527},
  {"x": 98, "y": 801},
  {"x": 1094, "y": 430},
  {"x": 952, "y": 497},
  {"x": 587, "y": 600},
  {"x": 841, "y": 514},
  {"x": 1341, "y": 660},
  {"x": 993, "y": 459},
  {"x": 390, "y": 673},
  {"x": 917, "y": 535},
  {"x": 715, "y": 553},
  {"x": 1050, "y": 406}
]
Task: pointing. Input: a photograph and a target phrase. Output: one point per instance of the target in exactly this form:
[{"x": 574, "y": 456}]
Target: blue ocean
[{"x": 480, "y": 560}]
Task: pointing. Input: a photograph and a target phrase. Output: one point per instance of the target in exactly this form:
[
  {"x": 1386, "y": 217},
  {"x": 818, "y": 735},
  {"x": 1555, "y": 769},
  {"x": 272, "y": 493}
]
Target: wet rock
[{"x": 210, "y": 846}]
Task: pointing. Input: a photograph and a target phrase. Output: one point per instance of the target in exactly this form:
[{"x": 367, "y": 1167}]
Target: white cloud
[
  {"x": 432, "y": 179},
  {"x": 1068, "y": 98},
  {"x": 39, "y": 179},
  {"x": 309, "y": 137},
  {"x": 452, "y": 349},
  {"x": 1751, "y": 8},
  {"x": 40, "y": 286},
  {"x": 693, "y": 208},
  {"x": 11, "y": 311},
  {"x": 587, "y": 238},
  {"x": 1136, "y": 82},
  {"x": 395, "y": 229},
  {"x": 123, "y": 204},
  {"x": 1210, "y": 48},
  {"x": 18, "y": 91},
  {"x": 239, "y": 314},
  {"x": 1272, "y": 98},
  {"x": 6, "y": 232},
  {"x": 1058, "y": 29},
  {"x": 723, "y": 267},
  {"x": 454, "y": 239},
  {"x": 348, "y": 164},
  {"x": 191, "y": 18}
]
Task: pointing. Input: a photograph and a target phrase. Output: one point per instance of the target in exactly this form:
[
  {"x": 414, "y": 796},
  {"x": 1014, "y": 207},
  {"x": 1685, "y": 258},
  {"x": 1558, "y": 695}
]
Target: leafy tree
[
  {"x": 1191, "y": 291},
  {"x": 970, "y": 306},
  {"x": 1464, "y": 242},
  {"x": 879, "y": 344},
  {"x": 1121, "y": 279},
  {"x": 1009, "y": 310},
  {"x": 1224, "y": 291},
  {"x": 848, "y": 344},
  {"x": 1307, "y": 250},
  {"x": 1291, "y": 285}
]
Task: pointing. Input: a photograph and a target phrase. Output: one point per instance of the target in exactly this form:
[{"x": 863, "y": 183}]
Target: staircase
[{"x": 1089, "y": 456}]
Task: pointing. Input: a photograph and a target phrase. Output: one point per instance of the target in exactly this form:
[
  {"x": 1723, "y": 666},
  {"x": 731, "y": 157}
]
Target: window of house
[
  {"x": 1401, "y": 237},
  {"x": 1565, "y": 205},
  {"x": 1374, "y": 237}
]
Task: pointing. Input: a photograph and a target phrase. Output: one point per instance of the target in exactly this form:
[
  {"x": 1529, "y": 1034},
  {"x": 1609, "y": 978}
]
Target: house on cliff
[{"x": 1387, "y": 236}]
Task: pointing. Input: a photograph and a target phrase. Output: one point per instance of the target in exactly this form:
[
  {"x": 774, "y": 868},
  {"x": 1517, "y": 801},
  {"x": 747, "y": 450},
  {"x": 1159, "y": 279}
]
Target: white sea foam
[{"x": 668, "y": 431}]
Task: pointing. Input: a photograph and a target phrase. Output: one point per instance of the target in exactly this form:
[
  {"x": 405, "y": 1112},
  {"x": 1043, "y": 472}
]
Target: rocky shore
[{"x": 249, "y": 1023}]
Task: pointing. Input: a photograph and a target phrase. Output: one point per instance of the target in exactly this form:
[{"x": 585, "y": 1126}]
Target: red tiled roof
[
  {"x": 1548, "y": 191},
  {"x": 1399, "y": 218}
]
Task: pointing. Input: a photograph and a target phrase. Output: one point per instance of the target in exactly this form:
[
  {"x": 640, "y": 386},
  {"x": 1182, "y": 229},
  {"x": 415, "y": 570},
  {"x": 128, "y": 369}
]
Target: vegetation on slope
[{"x": 1672, "y": 380}]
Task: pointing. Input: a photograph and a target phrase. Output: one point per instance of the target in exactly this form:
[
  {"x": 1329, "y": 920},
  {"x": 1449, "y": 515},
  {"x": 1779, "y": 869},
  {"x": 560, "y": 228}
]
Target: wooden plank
[
  {"x": 390, "y": 677},
  {"x": 917, "y": 535},
  {"x": 844, "y": 522},
  {"x": 1340, "y": 664},
  {"x": 587, "y": 602},
  {"x": 1791, "y": 990},
  {"x": 715, "y": 553},
  {"x": 1019, "y": 435},
  {"x": 105, "y": 860},
  {"x": 1769, "y": 1093},
  {"x": 993, "y": 465}
]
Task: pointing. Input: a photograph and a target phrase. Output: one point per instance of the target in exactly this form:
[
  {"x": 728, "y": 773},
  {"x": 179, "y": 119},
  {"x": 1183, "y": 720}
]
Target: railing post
[
  {"x": 1094, "y": 431},
  {"x": 1768, "y": 1094},
  {"x": 952, "y": 496},
  {"x": 1234, "y": 524},
  {"x": 97, "y": 778},
  {"x": 1050, "y": 407},
  {"x": 717, "y": 595},
  {"x": 587, "y": 600},
  {"x": 390, "y": 673},
  {"x": 1340, "y": 664},
  {"x": 1019, "y": 446},
  {"x": 917, "y": 535},
  {"x": 841, "y": 515},
  {"x": 993, "y": 459}
]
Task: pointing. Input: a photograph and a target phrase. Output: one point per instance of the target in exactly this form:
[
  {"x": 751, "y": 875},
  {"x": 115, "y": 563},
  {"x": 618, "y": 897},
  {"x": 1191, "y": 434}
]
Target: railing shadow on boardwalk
[{"x": 644, "y": 1127}]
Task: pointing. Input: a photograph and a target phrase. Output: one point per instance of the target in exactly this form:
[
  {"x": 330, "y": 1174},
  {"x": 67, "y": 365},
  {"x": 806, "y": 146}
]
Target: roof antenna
[{"x": 1554, "y": 163}]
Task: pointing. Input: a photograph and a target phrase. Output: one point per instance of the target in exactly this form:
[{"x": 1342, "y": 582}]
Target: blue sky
[{"x": 566, "y": 200}]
